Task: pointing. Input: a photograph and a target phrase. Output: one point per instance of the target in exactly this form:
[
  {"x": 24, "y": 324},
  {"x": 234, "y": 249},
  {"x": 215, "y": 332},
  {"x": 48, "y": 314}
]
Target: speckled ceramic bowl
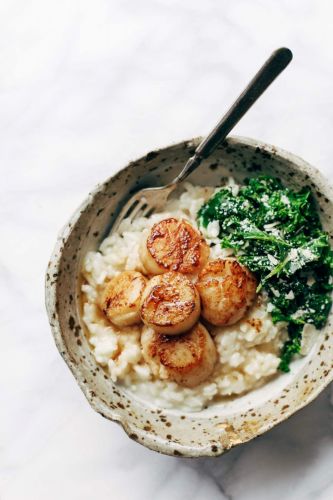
[{"x": 223, "y": 425}]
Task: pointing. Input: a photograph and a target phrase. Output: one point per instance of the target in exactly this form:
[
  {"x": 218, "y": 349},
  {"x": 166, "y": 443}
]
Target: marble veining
[{"x": 85, "y": 88}]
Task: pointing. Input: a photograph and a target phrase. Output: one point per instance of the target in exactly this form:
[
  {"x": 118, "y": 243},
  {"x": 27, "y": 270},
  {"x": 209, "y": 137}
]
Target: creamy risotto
[{"x": 248, "y": 351}]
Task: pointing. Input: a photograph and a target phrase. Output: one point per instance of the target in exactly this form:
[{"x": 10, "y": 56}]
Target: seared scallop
[
  {"x": 121, "y": 298},
  {"x": 226, "y": 289},
  {"x": 170, "y": 304},
  {"x": 187, "y": 359},
  {"x": 173, "y": 245}
]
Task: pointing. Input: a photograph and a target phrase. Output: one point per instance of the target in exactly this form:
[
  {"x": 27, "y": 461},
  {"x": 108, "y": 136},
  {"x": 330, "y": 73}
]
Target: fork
[{"x": 149, "y": 200}]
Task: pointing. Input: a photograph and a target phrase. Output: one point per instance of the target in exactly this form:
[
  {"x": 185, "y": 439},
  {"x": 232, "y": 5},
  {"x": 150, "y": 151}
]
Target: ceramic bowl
[{"x": 220, "y": 427}]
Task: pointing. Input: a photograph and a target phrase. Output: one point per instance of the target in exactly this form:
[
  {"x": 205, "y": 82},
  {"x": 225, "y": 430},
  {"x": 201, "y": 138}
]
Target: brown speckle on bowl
[
  {"x": 71, "y": 322},
  {"x": 150, "y": 156}
]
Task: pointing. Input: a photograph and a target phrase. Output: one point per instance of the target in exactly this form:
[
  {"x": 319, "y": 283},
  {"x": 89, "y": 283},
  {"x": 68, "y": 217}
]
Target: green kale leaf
[{"x": 276, "y": 232}]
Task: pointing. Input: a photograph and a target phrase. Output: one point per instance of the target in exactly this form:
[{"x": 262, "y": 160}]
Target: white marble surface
[{"x": 84, "y": 88}]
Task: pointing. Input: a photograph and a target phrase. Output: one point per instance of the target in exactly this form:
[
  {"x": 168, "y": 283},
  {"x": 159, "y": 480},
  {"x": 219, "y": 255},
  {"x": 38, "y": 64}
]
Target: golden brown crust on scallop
[
  {"x": 170, "y": 303},
  {"x": 121, "y": 298},
  {"x": 226, "y": 289},
  {"x": 180, "y": 353},
  {"x": 187, "y": 359},
  {"x": 174, "y": 245}
]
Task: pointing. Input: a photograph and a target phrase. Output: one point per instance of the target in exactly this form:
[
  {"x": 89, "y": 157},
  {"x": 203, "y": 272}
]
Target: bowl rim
[{"x": 169, "y": 448}]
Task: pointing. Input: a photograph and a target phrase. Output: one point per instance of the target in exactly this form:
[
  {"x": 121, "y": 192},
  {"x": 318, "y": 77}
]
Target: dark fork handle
[{"x": 277, "y": 62}]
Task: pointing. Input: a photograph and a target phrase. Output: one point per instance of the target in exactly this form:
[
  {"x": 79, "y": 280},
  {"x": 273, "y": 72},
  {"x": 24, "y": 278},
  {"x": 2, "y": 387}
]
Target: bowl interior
[{"x": 224, "y": 424}]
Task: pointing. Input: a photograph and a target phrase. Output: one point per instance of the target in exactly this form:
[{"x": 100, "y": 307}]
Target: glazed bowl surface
[{"x": 223, "y": 425}]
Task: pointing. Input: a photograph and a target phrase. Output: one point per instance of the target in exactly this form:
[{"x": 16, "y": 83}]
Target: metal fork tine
[
  {"x": 143, "y": 204},
  {"x": 138, "y": 208},
  {"x": 143, "y": 212},
  {"x": 125, "y": 212},
  {"x": 130, "y": 209},
  {"x": 148, "y": 211}
]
